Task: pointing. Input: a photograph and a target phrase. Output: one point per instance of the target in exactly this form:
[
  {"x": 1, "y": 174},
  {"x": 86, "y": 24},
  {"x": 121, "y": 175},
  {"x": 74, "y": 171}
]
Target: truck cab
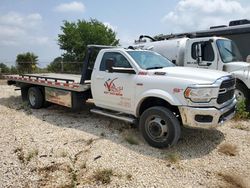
[{"x": 149, "y": 87}]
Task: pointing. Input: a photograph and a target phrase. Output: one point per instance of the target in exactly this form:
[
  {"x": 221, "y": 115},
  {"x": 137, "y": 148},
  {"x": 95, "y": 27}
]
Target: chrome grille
[{"x": 226, "y": 91}]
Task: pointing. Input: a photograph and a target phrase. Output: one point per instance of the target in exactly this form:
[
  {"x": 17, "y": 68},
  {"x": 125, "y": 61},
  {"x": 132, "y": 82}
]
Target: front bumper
[{"x": 206, "y": 118}]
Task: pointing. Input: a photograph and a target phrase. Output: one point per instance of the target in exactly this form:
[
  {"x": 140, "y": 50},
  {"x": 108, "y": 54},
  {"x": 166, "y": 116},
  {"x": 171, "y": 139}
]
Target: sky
[{"x": 34, "y": 25}]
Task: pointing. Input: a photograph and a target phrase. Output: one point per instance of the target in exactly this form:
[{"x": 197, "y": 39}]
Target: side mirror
[
  {"x": 110, "y": 64},
  {"x": 198, "y": 53},
  {"x": 110, "y": 67}
]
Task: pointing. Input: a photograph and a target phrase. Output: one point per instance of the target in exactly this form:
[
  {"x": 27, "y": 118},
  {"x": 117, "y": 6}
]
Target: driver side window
[
  {"x": 119, "y": 59},
  {"x": 206, "y": 51}
]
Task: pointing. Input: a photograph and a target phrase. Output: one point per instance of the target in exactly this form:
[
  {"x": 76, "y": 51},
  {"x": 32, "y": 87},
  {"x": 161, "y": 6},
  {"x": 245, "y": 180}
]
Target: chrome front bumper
[{"x": 206, "y": 118}]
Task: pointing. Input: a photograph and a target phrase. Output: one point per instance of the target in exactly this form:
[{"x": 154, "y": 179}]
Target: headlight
[{"x": 200, "y": 94}]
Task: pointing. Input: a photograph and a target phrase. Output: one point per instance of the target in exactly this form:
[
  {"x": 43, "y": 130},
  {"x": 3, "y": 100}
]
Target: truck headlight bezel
[{"x": 201, "y": 94}]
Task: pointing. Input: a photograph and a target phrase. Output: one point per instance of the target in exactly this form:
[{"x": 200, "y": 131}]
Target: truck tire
[
  {"x": 159, "y": 127},
  {"x": 35, "y": 97},
  {"x": 24, "y": 93},
  {"x": 242, "y": 93}
]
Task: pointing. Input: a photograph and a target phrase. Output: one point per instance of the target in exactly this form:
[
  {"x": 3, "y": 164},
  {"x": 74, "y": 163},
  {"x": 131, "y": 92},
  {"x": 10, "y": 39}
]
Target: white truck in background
[
  {"x": 216, "y": 53},
  {"x": 138, "y": 85}
]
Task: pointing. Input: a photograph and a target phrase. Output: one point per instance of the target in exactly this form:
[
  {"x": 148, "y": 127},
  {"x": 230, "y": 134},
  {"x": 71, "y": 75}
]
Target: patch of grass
[
  {"x": 90, "y": 141},
  {"x": 26, "y": 108},
  {"x": 31, "y": 154},
  {"x": 232, "y": 180},
  {"x": 73, "y": 178},
  {"x": 228, "y": 149},
  {"x": 241, "y": 112},
  {"x": 131, "y": 139},
  {"x": 103, "y": 176},
  {"x": 241, "y": 127},
  {"x": 173, "y": 157},
  {"x": 55, "y": 167},
  {"x": 20, "y": 154}
]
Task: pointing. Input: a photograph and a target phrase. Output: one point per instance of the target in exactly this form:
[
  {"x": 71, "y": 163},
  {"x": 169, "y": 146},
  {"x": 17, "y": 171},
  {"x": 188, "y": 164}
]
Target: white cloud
[
  {"x": 71, "y": 7},
  {"x": 109, "y": 25},
  {"x": 126, "y": 38},
  {"x": 18, "y": 29},
  {"x": 191, "y": 15},
  {"x": 16, "y": 19},
  {"x": 10, "y": 31},
  {"x": 25, "y": 32}
]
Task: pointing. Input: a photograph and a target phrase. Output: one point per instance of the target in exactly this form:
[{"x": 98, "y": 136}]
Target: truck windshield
[
  {"x": 228, "y": 51},
  {"x": 150, "y": 60}
]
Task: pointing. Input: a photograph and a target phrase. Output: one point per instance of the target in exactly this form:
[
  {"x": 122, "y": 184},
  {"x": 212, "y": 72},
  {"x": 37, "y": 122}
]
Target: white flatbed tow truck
[{"x": 138, "y": 86}]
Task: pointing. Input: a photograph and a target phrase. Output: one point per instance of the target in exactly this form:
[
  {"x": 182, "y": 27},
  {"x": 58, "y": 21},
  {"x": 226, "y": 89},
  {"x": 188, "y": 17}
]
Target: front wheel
[{"x": 159, "y": 127}]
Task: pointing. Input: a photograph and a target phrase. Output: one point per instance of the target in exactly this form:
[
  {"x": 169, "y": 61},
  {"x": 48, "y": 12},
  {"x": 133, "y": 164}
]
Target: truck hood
[
  {"x": 196, "y": 75},
  {"x": 236, "y": 66}
]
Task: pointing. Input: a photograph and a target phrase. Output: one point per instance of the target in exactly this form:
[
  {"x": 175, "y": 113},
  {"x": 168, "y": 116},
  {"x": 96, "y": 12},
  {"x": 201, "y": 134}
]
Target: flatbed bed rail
[
  {"x": 47, "y": 78},
  {"x": 60, "y": 83}
]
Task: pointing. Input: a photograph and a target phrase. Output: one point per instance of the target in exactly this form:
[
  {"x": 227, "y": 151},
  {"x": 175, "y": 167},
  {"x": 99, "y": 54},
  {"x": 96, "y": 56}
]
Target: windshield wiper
[
  {"x": 230, "y": 52},
  {"x": 153, "y": 68}
]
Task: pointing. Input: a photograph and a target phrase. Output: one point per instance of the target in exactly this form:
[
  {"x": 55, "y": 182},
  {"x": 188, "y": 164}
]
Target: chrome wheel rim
[
  {"x": 239, "y": 95},
  {"x": 32, "y": 98}
]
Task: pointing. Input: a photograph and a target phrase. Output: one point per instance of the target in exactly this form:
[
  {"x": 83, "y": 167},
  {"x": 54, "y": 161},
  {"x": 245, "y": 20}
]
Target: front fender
[
  {"x": 170, "y": 98},
  {"x": 244, "y": 76}
]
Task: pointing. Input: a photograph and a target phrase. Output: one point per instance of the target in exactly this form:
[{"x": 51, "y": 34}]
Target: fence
[{"x": 43, "y": 67}]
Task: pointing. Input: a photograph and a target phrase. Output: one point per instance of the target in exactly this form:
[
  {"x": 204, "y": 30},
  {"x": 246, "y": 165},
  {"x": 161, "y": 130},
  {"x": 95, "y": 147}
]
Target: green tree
[
  {"x": 4, "y": 68},
  {"x": 77, "y": 35},
  {"x": 55, "y": 65},
  {"x": 26, "y": 62},
  {"x": 13, "y": 70}
]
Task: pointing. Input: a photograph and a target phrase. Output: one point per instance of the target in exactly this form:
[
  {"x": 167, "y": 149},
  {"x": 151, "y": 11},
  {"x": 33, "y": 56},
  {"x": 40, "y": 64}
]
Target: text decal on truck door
[{"x": 112, "y": 89}]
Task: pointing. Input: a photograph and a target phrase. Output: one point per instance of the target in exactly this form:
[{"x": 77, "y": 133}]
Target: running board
[{"x": 113, "y": 115}]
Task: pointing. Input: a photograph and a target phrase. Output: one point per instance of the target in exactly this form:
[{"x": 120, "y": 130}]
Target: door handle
[{"x": 100, "y": 77}]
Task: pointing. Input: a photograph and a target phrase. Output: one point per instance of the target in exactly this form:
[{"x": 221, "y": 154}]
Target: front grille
[{"x": 226, "y": 91}]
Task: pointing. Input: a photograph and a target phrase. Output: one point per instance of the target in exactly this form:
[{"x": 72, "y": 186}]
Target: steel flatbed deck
[{"x": 69, "y": 82}]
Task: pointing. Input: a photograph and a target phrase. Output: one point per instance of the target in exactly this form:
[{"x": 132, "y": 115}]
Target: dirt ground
[{"x": 55, "y": 147}]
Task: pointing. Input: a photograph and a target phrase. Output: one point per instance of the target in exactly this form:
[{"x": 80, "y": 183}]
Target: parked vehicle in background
[
  {"x": 138, "y": 86},
  {"x": 216, "y": 53},
  {"x": 237, "y": 31}
]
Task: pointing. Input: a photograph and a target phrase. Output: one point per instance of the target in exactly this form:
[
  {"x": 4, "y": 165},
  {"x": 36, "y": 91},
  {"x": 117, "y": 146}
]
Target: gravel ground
[{"x": 56, "y": 147}]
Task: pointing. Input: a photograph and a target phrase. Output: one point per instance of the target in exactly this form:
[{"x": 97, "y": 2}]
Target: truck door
[
  {"x": 113, "y": 90},
  {"x": 201, "y": 54}
]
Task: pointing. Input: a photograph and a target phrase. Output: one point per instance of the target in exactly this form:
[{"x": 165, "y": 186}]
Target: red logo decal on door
[{"x": 112, "y": 89}]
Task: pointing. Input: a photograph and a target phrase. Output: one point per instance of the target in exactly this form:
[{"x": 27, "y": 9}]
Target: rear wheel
[
  {"x": 24, "y": 93},
  {"x": 159, "y": 127},
  {"x": 35, "y": 97}
]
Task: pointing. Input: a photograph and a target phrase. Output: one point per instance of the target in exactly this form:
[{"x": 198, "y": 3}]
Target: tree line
[{"x": 74, "y": 40}]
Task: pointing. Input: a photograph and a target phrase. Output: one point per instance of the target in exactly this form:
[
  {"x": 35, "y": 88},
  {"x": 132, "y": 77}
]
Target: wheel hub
[
  {"x": 239, "y": 95},
  {"x": 157, "y": 128}
]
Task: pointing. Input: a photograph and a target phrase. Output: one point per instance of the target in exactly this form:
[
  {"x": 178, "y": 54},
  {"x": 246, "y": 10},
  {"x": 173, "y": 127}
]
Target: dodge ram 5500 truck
[
  {"x": 138, "y": 85},
  {"x": 216, "y": 53}
]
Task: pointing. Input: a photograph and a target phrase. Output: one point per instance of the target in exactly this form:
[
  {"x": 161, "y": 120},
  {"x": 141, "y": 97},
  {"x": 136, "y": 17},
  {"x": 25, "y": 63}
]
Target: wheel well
[
  {"x": 155, "y": 101},
  {"x": 238, "y": 81}
]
